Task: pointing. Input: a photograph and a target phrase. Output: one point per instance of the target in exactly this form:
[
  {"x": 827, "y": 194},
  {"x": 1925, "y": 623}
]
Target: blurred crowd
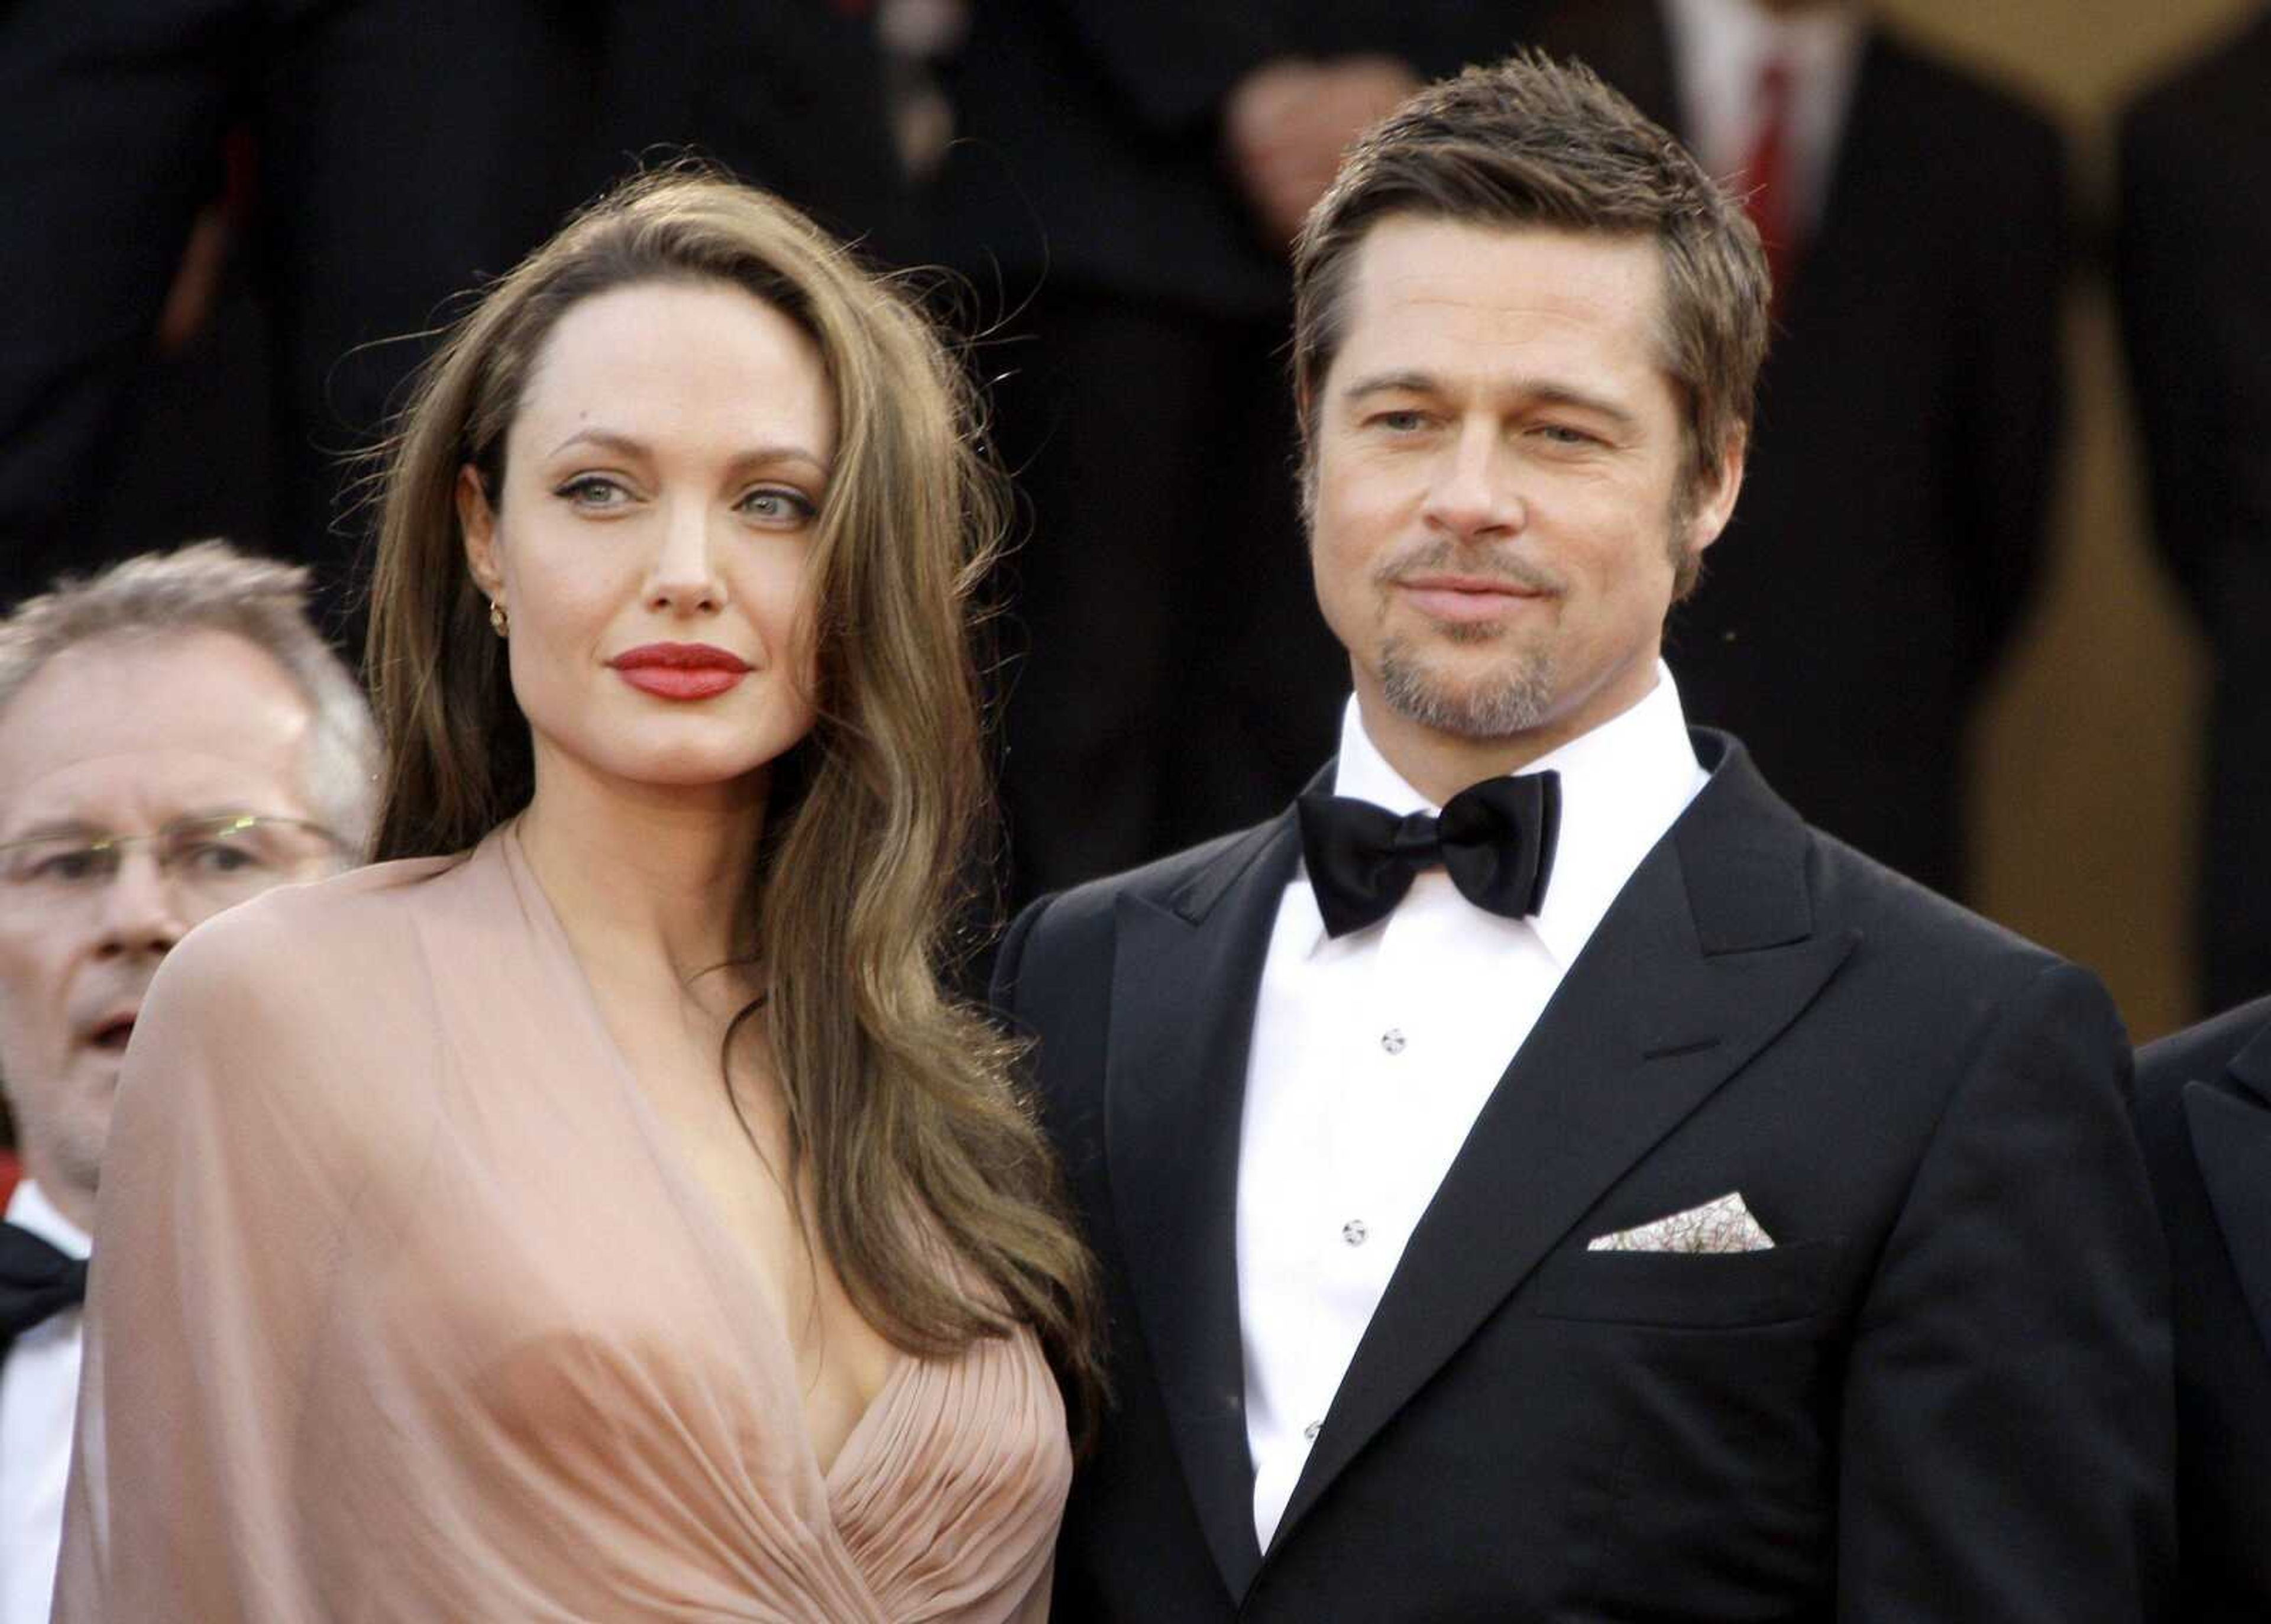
[{"x": 231, "y": 228}]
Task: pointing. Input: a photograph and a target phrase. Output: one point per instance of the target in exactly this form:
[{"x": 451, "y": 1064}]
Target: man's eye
[
  {"x": 70, "y": 868},
  {"x": 1562, "y": 433},
  {"x": 1400, "y": 422},
  {"x": 593, "y": 491},
  {"x": 218, "y": 857},
  {"x": 776, "y": 505}
]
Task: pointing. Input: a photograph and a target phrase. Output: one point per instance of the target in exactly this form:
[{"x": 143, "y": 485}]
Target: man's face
[
  {"x": 1496, "y": 507},
  {"x": 117, "y": 736}
]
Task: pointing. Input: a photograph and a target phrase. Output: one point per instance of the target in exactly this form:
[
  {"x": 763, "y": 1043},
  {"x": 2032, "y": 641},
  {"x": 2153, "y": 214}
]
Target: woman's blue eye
[
  {"x": 772, "y": 503},
  {"x": 591, "y": 490}
]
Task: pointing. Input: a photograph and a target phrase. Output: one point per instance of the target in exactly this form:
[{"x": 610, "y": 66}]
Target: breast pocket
[{"x": 1699, "y": 1291}]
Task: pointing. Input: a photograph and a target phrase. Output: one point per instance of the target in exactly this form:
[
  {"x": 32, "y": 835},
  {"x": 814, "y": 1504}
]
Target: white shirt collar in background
[
  {"x": 29, "y": 1208},
  {"x": 1719, "y": 48},
  {"x": 38, "y": 1391}
]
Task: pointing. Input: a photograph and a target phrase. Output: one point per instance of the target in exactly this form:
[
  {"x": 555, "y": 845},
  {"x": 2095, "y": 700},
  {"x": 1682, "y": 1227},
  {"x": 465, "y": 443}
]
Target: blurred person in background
[
  {"x": 2204, "y": 1116},
  {"x": 1894, "y": 517},
  {"x": 174, "y": 739},
  {"x": 2193, "y": 267},
  {"x": 370, "y": 158},
  {"x": 1125, "y": 185},
  {"x": 607, "y": 1217}
]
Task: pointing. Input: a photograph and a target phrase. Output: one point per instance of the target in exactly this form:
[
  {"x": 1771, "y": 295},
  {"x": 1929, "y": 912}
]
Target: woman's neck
[{"x": 640, "y": 872}]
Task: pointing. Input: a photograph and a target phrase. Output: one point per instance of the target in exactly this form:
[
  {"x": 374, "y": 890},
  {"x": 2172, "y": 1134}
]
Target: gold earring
[{"x": 498, "y": 619}]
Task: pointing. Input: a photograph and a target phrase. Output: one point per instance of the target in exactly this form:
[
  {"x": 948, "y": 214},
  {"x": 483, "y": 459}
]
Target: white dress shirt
[
  {"x": 1372, "y": 1054},
  {"x": 1719, "y": 49},
  {"x": 39, "y": 1388}
]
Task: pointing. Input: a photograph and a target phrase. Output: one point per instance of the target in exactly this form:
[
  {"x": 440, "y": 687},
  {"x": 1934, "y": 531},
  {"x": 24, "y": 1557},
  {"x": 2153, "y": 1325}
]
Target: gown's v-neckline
[{"x": 694, "y": 1199}]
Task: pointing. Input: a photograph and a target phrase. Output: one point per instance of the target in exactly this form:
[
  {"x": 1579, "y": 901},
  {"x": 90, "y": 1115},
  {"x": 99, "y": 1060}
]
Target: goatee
[{"x": 1514, "y": 699}]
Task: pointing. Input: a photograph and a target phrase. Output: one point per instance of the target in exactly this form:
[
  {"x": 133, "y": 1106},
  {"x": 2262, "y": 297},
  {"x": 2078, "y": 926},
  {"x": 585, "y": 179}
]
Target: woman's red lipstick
[{"x": 679, "y": 670}]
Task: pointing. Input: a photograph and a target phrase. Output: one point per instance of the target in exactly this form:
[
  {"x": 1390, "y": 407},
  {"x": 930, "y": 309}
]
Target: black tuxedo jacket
[
  {"x": 2204, "y": 1114},
  {"x": 2193, "y": 264},
  {"x": 1943, "y": 1395},
  {"x": 1894, "y": 514}
]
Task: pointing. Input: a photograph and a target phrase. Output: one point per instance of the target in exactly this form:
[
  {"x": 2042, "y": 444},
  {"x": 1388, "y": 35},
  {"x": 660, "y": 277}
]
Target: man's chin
[{"x": 1498, "y": 703}]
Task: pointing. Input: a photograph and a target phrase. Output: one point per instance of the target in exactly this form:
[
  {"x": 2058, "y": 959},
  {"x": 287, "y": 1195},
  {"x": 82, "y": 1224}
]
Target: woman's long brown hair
[{"x": 900, "y": 1102}]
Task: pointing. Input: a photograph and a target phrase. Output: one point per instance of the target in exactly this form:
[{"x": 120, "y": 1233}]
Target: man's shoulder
[
  {"x": 1905, "y": 916},
  {"x": 1180, "y": 881},
  {"x": 2198, "y": 1052},
  {"x": 1059, "y": 951},
  {"x": 1745, "y": 848}
]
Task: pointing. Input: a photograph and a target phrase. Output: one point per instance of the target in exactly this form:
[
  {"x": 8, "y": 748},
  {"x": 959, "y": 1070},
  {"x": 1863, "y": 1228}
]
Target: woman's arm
[{"x": 228, "y": 1186}]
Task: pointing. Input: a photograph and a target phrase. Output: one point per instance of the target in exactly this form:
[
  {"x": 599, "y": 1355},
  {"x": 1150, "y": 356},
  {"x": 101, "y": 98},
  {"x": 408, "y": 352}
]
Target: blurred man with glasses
[{"x": 175, "y": 738}]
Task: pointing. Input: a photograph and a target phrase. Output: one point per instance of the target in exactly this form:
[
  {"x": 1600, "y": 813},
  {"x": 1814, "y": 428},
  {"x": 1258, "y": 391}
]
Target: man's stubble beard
[
  {"x": 1519, "y": 697},
  {"x": 1514, "y": 694},
  {"x": 1514, "y": 697}
]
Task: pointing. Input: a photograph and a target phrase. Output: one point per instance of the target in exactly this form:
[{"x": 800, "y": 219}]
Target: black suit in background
[
  {"x": 408, "y": 149},
  {"x": 1943, "y": 1395},
  {"x": 1171, "y": 679},
  {"x": 1894, "y": 512},
  {"x": 2194, "y": 269},
  {"x": 2204, "y": 1115}
]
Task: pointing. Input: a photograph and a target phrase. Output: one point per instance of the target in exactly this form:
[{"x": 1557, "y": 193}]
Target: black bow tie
[
  {"x": 1495, "y": 839},
  {"x": 36, "y": 1280}
]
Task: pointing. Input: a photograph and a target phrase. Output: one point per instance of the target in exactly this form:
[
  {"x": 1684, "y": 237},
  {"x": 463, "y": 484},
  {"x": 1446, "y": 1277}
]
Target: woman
[{"x": 615, "y": 1222}]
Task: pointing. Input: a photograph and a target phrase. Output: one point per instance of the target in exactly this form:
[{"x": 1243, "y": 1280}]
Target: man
[
  {"x": 1896, "y": 498},
  {"x": 174, "y": 737},
  {"x": 2193, "y": 265},
  {"x": 2204, "y": 1115},
  {"x": 1399, "y": 1203}
]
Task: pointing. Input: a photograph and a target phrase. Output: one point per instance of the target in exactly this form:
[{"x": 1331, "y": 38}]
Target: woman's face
[{"x": 652, "y": 540}]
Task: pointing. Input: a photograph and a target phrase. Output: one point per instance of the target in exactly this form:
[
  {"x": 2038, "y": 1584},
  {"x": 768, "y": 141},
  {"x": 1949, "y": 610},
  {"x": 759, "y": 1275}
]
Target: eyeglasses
[{"x": 217, "y": 861}]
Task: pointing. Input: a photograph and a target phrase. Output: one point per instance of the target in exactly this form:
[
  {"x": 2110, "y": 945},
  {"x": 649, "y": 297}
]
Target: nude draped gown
[{"x": 406, "y": 1307}]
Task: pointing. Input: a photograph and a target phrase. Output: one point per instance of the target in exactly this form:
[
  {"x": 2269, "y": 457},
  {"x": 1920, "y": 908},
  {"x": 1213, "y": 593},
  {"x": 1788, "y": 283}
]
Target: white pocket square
[{"x": 1722, "y": 1226}]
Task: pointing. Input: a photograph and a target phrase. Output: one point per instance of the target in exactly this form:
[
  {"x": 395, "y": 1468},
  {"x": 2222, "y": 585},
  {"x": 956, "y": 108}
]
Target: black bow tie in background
[
  {"x": 1495, "y": 840},
  {"x": 36, "y": 1281}
]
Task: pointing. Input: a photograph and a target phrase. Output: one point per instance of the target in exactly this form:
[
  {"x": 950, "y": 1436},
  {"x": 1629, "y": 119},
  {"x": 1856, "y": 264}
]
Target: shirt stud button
[
  {"x": 1311, "y": 1431},
  {"x": 1392, "y": 1040},
  {"x": 1353, "y": 1232}
]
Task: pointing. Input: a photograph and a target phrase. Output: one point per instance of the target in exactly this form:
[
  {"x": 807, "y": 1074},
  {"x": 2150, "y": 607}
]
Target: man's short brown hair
[{"x": 1534, "y": 142}]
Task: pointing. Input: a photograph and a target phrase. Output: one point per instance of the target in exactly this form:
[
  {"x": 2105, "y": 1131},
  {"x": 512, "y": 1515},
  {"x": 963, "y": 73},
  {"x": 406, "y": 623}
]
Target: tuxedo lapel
[
  {"x": 1185, "y": 980},
  {"x": 1708, "y": 953},
  {"x": 2231, "y": 1139}
]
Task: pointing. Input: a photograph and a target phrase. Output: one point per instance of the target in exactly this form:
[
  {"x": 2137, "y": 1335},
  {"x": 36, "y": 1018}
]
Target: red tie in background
[{"x": 1770, "y": 178}]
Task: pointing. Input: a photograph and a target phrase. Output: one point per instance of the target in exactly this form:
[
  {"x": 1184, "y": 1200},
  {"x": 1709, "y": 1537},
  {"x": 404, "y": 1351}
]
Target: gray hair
[{"x": 211, "y": 586}]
